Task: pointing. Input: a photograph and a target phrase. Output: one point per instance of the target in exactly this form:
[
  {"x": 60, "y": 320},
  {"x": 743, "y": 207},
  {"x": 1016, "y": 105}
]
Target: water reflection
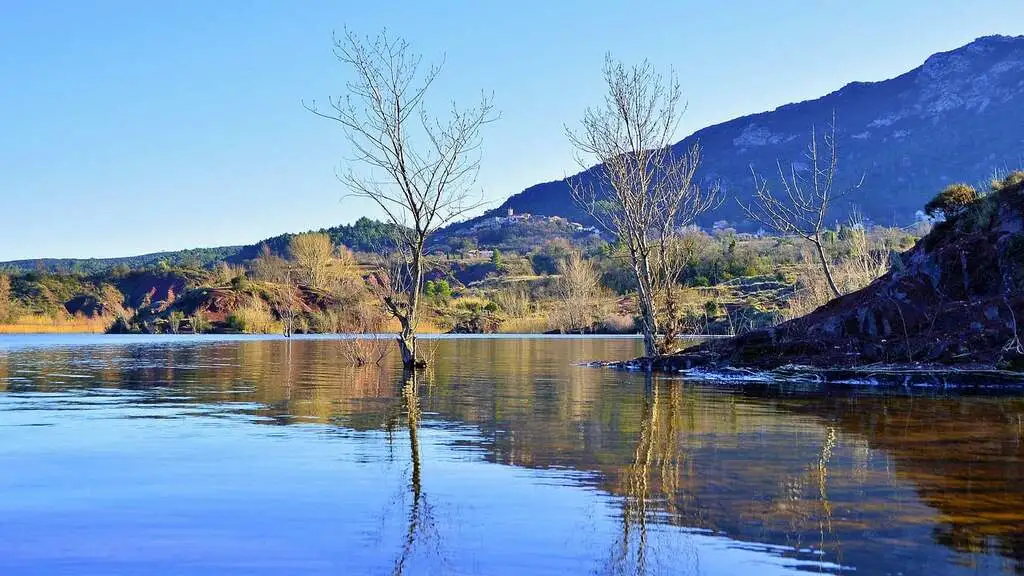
[
  {"x": 654, "y": 459},
  {"x": 422, "y": 527},
  {"x": 910, "y": 481}
]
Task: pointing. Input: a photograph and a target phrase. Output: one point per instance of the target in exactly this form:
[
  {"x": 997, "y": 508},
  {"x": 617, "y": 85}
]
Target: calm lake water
[{"x": 197, "y": 455}]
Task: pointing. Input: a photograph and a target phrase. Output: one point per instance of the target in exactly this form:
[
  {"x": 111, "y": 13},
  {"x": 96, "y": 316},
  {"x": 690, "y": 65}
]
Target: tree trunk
[
  {"x": 407, "y": 345},
  {"x": 648, "y": 312},
  {"x": 407, "y": 337},
  {"x": 825, "y": 268},
  {"x": 649, "y": 324}
]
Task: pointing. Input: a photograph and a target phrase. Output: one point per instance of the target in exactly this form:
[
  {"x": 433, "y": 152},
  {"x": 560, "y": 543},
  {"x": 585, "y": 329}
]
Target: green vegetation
[
  {"x": 364, "y": 235},
  {"x": 1013, "y": 182},
  {"x": 951, "y": 201},
  {"x": 253, "y": 317},
  {"x": 6, "y": 304},
  {"x": 728, "y": 283},
  {"x": 193, "y": 258},
  {"x": 438, "y": 290}
]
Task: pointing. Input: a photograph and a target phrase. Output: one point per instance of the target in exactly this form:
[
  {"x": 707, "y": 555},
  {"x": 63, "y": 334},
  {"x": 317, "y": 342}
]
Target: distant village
[
  {"x": 511, "y": 219},
  {"x": 497, "y": 222}
]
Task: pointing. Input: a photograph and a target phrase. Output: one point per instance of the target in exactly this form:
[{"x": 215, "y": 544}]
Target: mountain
[
  {"x": 956, "y": 117},
  {"x": 959, "y": 116}
]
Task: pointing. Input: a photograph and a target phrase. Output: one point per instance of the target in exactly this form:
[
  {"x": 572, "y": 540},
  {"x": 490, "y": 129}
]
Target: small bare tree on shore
[
  {"x": 313, "y": 255},
  {"x": 577, "y": 287},
  {"x": 417, "y": 168},
  {"x": 645, "y": 190},
  {"x": 809, "y": 194}
]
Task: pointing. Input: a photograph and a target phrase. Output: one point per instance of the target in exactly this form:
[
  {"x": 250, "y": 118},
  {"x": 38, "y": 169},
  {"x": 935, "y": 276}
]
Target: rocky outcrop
[{"x": 955, "y": 299}]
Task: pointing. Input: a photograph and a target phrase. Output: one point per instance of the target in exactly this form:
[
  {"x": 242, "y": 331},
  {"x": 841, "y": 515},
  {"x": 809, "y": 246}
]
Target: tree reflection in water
[
  {"x": 656, "y": 462},
  {"x": 630, "y": 554},
  {"x": 421, "y": 526},
  {"x": 664, "y": 481}
]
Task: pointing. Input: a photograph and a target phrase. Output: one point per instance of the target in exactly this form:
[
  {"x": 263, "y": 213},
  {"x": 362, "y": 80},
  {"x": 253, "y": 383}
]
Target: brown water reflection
[{"x": 880, "y": 481}]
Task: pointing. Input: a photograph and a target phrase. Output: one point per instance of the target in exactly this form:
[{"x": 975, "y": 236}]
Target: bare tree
[
  {"x": 287, "y": 306},
  {"x": 417, "y": 168},
  {"x": 313, "y": 253},
  {"x": 809, "y": 193},
  {"x": 366, "y": 345},
  {"x": 269, "y": 267},
  {"x": 577, "y": 288},
  {"x": 645, "y": 190}
]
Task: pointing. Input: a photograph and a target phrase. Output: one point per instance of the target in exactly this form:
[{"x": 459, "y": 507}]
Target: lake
[{"x": 214, "y": 455}]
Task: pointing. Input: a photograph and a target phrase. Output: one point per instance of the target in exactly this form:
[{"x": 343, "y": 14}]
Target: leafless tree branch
[
  {"x": 801, "y": 210},
  {"x": 417, "y": 168},
  {"x": 645, "y": 190}
]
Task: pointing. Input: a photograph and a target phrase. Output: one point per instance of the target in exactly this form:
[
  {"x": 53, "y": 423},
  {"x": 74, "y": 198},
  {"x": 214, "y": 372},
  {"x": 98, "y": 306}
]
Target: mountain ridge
[
  {"x": 889, "y": 132},
  {"x": 877, "y": 118}
]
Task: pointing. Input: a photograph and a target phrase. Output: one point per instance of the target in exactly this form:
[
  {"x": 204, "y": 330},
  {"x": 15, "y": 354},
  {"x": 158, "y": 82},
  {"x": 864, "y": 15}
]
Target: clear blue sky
[{"x": 129, "y": 127}]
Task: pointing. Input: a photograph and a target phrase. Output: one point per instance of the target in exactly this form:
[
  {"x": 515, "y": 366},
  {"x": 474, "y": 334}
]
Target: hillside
[
  {"x": 519, "y": 234},
  {"x": 954, "y": 299},
  {"x": 363, "y": 235},
  {"x": 957, "y": 116}
]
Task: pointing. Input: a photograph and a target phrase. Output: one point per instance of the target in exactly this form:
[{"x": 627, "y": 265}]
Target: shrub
[
  {"x": 517, "y": 266},
  {"x": 365, "y": 351},
  {"x": 1013, "y": 182},
  {"x": 199, "y": 322},
  {"x": 951, "y": 201},
  {"x": 470, "y": 303},
  {"x": 224, "y": 273},
  {"x": 123, "y": 325},
  {"x": 979, "y": 215},
  {"x": 330, "y": 320},
  {"x": 6, "y": 303},
  {"x": 577, "y": 290},
  {"x": 711, "y": 308},
  {"x": 618, "y": 324},
  {"x": 525, "y": 325},
  {"x": 439, "y": 289},
  {"x": 240, "y": 283},
  {"x": 515, "y": 303},
  {"x": 253, "y": 317},
  {"x": 174, "y": 321},
  {"x": 546, "y": 261}
]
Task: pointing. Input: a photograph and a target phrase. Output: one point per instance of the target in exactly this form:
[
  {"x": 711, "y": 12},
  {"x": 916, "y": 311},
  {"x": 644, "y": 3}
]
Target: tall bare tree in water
[
  {"x": 809, "y": 190},
  {"x": 416, "y": 167},
  {"x": 645, "y": 190}
]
